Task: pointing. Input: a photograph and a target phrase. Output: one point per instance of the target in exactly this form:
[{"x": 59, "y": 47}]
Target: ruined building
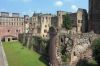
[
  {"x": 53, "y": 47},
  {"x": 41, "y": 24},
  {"x": 70, "y": 47},
  {"x": 26, "y": 23},
  {"x": 10, "y": 26},
  {"x": 79, "y": 21},
  {"x": 94, "y": 16},
  {"x": 82, "y": 21}
]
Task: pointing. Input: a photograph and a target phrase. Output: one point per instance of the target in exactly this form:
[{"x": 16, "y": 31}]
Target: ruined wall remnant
[
  {"x": 94, "y": 16},
  {"x": 52, "y": 47},
  {"x": 76, "y": 46},
  {"x": 82, "y": 48}
]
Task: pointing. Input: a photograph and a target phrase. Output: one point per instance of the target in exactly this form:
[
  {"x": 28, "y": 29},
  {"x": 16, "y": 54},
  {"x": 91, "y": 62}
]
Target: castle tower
[
  {"x": 60, "y": 18},
  {"x": 82, "y": 21},
  {"x": 26, "y": 23},
  {"x": 94, "y": 16}
]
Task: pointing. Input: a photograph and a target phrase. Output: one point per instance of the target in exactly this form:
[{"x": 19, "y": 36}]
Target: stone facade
[
  {"x": 57, "y": 20},
  {"x": 94, "y": 16},
  {"x": 82, "y": 21},
  {"x": 10, "y": 26},
  {"x": 79, "y": 20},
  {"x": 60, "y": 15},
  {"x": 26, "y": 24},
  {"x": 41, "y": 24}
]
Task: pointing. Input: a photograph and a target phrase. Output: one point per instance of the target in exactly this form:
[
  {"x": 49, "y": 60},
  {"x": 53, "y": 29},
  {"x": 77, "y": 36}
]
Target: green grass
[{"x": 19, "y": 56}]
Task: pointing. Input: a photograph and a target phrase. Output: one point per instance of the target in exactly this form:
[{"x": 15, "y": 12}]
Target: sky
[{"x": 44, "y": 6}]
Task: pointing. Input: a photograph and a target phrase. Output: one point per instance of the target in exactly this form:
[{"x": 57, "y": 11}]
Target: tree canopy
[
  {"x": 67, "y": 22},
  {"x": 96, "y": 50}
]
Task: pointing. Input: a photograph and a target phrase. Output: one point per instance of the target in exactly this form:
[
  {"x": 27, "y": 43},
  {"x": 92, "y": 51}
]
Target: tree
[
  {"x": 96, "y": 50},
  {"x": 67, "y": 22}
]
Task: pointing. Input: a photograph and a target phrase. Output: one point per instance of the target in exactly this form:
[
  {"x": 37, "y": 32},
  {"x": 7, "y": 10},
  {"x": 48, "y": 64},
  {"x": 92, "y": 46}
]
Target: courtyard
[{"x": 17, "y": 55}]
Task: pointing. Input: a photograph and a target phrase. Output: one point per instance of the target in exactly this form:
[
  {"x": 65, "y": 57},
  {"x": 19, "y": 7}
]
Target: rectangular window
[
  {"x": 17, "y": 19},
  {"x": 39, "y": 30},
  {"x": 17, "y": 30},
  {"x": 17, "y": 24},
  {"x": 79, "y": 21},
  {"x": 45, "y": 31},
  {"x": 8, "y": 30},
  {"x": 0, "y": 23},
  {"x": 22, "y": 24},
  {"x": 43, "y": 35},
  {"x": 34, "y": 24},
  {"x": 12, "y": 23},
  {"x": 45, "y": 25}
]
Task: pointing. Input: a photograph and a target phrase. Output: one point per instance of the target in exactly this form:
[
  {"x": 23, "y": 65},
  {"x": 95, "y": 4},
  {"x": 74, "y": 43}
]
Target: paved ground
[
  {"x": 3, "y": 60},
  {"x": 1, "y": 57}
]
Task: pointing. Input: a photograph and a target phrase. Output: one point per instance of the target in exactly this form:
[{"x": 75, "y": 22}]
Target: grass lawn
[{"x": 18, "y": 56}]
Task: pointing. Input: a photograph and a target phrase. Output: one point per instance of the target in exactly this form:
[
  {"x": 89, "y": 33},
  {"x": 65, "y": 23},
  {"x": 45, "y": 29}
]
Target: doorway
[{"x": 8, "y": 39}]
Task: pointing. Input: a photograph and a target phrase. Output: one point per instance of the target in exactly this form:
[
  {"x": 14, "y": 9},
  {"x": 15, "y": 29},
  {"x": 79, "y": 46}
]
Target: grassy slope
[{"x": 18, "y": 56}]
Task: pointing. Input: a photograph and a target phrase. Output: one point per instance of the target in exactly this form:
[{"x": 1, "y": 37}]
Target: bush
[
  {"x": 96, "y": 50},
  {"x": 84, "y": 62}
]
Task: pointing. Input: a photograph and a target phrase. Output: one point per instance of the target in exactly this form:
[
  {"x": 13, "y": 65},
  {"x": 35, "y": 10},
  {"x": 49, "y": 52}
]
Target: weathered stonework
[
  {"x": 94, "y": 16},
  {"x": 53, "y": 47},
  {"x": 77, "y": 46},
  {"x": 82, "y": 48}
]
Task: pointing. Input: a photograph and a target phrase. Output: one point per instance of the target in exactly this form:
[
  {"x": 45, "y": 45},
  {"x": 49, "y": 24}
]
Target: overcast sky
[{"x": 45, "y": 6}]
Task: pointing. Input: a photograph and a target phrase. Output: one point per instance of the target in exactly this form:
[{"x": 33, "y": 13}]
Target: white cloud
[
  {"x": 74, "y": 7},
  {"x": 59, "y": 3}
]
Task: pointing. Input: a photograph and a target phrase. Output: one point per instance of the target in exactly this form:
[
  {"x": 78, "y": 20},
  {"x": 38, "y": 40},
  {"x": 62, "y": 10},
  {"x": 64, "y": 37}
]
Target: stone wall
[
  {"x": 34, "y": 42},
  {"x": 94, "y": 16},
  {"x": 76, "y": 47},
  {"x": 82, "y": 48}
]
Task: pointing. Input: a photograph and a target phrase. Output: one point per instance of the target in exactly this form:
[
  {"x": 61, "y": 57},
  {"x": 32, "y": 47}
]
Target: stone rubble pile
[{"x": 78, "y": 46}]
